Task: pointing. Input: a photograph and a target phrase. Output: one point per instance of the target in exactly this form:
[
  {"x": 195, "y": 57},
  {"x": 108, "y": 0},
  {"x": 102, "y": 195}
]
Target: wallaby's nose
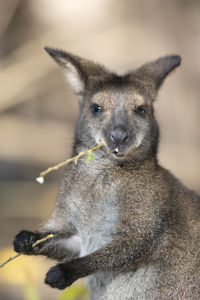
[{"x": 118, "y": 136}]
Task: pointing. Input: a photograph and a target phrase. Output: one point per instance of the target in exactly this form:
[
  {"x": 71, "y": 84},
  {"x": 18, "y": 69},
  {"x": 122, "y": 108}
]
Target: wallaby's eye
[
  {"x": 96, "y": 109},
  {"x": 140, "y": 110}
]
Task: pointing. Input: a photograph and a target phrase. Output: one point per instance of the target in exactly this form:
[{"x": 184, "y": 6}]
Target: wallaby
[{"x": 122, "y": 221}]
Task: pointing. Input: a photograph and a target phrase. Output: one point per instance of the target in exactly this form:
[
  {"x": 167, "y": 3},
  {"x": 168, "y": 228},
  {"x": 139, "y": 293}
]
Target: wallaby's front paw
[
  {"x": 24, "y": 240},
  {"x": 61, "y": 276}
]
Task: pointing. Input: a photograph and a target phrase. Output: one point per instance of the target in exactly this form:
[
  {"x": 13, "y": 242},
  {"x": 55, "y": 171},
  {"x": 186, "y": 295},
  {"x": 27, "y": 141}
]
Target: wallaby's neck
[{"x": 149, "y": 163}]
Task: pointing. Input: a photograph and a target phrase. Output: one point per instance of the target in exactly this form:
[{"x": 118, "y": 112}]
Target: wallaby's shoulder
[{"x": 184, "y": 202}]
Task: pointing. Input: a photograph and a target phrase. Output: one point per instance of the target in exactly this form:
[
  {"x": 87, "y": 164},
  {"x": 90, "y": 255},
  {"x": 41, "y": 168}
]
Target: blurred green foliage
[
  {"x": 75, "y": 292},
  {"x": 89, "y": 157},
  {"x": 30, "y": 291}
]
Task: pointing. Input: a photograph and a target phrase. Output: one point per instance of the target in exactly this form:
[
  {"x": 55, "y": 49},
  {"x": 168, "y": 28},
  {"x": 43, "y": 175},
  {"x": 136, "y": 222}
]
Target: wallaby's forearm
[
  {"x": 122, "y": 254},
  {"x": 58, "y": 247},
  {"x": 55, "y": 248},
  {"x": 117, "y": 255}
]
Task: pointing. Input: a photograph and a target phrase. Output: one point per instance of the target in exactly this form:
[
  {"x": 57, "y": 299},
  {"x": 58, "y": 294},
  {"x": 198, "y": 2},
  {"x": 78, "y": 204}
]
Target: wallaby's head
[{"x": 116, "y": 109}]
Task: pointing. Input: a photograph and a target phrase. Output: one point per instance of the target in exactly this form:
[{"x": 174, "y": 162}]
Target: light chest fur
[{"x": 95, "y": 196}]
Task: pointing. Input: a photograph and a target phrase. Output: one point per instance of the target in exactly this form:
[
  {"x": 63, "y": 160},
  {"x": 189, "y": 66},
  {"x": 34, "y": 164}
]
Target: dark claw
[{"x": 24, "y": 240}]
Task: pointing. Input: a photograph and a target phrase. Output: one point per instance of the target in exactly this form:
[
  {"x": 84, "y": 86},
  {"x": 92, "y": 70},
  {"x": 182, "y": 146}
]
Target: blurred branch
[
  {"x": 7, "y": 9},
  {"x": 15, "y": 84}
]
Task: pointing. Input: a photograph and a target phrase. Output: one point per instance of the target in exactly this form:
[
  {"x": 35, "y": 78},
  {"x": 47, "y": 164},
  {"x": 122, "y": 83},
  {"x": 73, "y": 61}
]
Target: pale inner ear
[{"x": 74, "y": 78}]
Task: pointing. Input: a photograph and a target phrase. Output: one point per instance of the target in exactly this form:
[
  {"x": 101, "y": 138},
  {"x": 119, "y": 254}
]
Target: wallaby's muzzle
[
  {"x": 119, "y": 138},
  {"x": 119, "y": 135}
]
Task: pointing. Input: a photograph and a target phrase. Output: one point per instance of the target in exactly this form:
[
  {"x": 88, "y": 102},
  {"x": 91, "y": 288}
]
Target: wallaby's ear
[
  {"x": 79, "y": 72},
  {"x": 153, "y": 74}
]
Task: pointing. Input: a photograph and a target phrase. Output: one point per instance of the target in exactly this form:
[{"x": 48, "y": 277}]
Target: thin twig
[
  {"x": 50, "y": 236},
  {"x": 40, "y": 179},
  {"x": 9, "y": 259}
]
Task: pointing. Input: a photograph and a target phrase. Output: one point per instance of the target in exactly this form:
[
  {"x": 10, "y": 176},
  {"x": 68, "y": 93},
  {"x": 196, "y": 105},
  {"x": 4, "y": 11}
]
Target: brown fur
[{"x": 128, "y": 224}]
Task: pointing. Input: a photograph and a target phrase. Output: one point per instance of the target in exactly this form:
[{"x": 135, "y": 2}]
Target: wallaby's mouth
[{"x": 117, "y": 153}]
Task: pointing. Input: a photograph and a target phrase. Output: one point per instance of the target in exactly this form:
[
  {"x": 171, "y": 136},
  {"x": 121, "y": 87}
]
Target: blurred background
[{"x": 38, "y": 110}]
